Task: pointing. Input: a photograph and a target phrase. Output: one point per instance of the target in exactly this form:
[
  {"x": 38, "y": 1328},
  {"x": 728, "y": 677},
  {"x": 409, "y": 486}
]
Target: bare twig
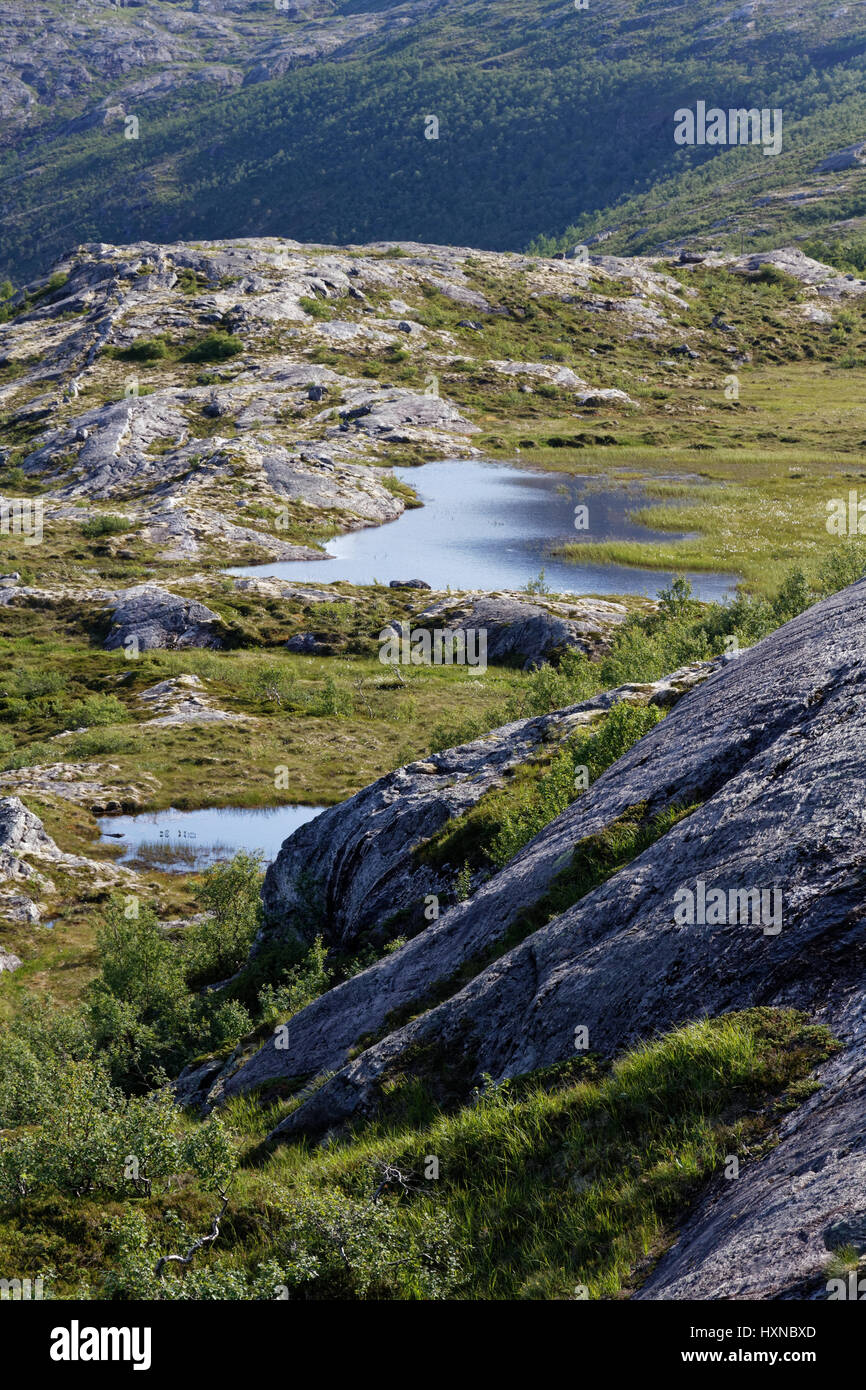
[
  {"x": 197, "y": 1244},
  {"x": 391, "y": 1177},
  {"x": 359, "y": 686}
]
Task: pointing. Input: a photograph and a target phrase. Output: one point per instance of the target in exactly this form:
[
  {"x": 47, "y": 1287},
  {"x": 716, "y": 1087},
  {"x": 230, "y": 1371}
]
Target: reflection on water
[
  {"x": 186, "y": 841},
  {"x": 488, "y": 526}
]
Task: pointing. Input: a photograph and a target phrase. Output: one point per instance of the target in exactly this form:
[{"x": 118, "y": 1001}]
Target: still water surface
[{"x": 490, "y": 526}]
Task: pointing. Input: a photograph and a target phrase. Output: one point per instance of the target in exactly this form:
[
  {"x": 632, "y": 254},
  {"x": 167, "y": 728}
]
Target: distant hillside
[
  {"x": 310, "y": 121},
  {"x": 815, "y": 192}
]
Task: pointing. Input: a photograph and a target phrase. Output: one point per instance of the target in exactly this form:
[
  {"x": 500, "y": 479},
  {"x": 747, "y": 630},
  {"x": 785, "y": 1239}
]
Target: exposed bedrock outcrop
[
  {"x": 814, "y": 275},
  {"x": 354, "y": 864},
  {"x": 151, "y": 617},
  {"x": 525, "y": 634},
  {"x": 23, "y": 839},
  {"x": 770, "y": 749}
]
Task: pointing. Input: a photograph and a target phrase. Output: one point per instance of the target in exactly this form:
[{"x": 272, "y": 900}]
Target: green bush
[
  {"x": 224, "y": 1026},
  {"x": 544, "y": 799},
  {"x": 106, "y": 526},
  {"x": 35, "y": 754},
  {"x": 337, "y": 1246},
  {"x": 99, "y": 1140},
  {"x": 230, "y": 897},
  {"x": 136, "y": 1246},
  {"x": 779, "y": 279},
  {"x": 43, "y": 1039},
  {"x": 95, "y": 710},
  {"x": 332, "y": 1246},
  {"x": 146, "y": 1010},
  {"x": 316, "y": 308},
  {"x": 68, "y": 1128},
  {"x": 298, "y": 987},
  {"x": 140, "y": 1007},
  {"x": 331, "y": 701},
  {"x": 31, "y": 684},
  {"x": 98, "y": 742},
  {"x": 144, "y": 350},
  {"x": 215, "y": 347}
]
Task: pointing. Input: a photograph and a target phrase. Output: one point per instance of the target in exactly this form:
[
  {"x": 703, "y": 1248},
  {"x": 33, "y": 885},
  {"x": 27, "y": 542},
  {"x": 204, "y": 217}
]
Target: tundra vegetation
[
  {"x": 597, "y": 1157},
  {"x": 101, "y": 1173}
]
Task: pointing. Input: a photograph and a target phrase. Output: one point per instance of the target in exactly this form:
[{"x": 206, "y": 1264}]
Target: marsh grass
[{"x": 176, "y": 854}]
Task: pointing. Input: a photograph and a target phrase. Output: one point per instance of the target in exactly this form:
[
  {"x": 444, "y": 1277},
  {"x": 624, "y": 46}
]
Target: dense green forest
[{"x": 547, "y": 116}]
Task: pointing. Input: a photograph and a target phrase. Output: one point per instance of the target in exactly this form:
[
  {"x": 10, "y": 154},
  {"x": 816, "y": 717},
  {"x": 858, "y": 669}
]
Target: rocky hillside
[
  {"x": 491, "y": 885},
  {"x": 109, "y": 57},
  {"x": 749, "y": 786},
  {"x": 239, "y": 400}
]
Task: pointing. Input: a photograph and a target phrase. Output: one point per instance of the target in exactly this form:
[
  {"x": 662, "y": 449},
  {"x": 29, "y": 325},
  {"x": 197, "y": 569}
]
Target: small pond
[
  {"x": 188, "y": 841},
  {"x": 489, "y": 526}
]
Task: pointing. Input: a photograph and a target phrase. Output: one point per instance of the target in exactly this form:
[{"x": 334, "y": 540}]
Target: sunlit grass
[{"x": 574, "y": 1177}]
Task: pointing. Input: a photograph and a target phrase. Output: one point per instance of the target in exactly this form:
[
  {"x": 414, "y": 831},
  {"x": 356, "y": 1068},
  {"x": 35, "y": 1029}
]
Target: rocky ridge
[
  {"x": 766, "y": 753},
  {"x": 23, "y": 883},
  {"x": 261, "y": 452},
  {"x": 355, "y": 866}
]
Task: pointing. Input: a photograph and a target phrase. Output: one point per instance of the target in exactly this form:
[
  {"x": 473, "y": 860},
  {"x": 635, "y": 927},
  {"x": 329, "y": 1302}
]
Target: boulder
[
  {"x": 394, "y": 411},
  {"x": 551, "y": 372},
  {"x": 309, "y": 644},
  {"x": 154, "y": 618},
  {"x": 851, "y": 157},
  {"x": 524, "y": 634}
]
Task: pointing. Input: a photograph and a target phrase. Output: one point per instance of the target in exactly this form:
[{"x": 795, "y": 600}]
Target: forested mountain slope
[{"x": 312, "y": 120}]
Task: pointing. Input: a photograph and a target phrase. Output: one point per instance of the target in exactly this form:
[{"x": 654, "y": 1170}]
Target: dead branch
[
  {"x": 197, "y": 1244},
  {"x": 391, "y": 1177}
]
